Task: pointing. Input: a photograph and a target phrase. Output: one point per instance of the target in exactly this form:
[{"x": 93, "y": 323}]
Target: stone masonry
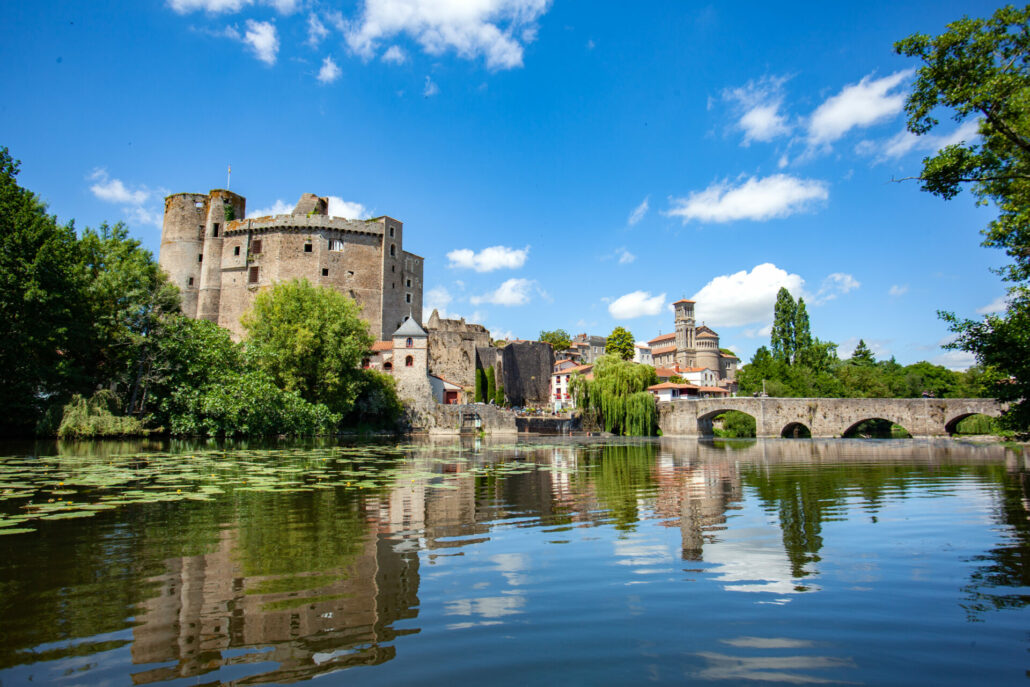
[{"x": 452, "y": 348}]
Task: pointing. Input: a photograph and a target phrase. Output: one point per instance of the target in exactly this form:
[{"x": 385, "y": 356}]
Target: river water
[{"x": 544, "y": 561}]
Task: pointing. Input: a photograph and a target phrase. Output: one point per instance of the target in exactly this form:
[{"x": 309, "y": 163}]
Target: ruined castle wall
[
  {"x": 527, "y": 373},
  {"x": 452, "y": 349}
]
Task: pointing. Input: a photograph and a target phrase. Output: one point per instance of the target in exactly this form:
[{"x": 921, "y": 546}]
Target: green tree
[
  {"x": 862, "y": 355},
  {"x": 310, "y": 340},
  {"x": 558, "y": 338},
  {"x": 618, "y": 395},
  {"x": 978, "y": 71},
  {"x": 784, "y": 318},
  {"x": 499, "y": 395},
  {"x": 802, "y": 330},
  {"x": 491, "y": 385},
  {"x": 480, "y": 384},
  {"x": 43, "y": 312},
  {"x": 620, "y": 342}
]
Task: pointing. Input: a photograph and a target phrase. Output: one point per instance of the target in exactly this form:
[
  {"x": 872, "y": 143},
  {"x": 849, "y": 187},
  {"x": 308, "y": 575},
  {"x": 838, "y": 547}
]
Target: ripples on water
[{"x": 877, "y": 562}]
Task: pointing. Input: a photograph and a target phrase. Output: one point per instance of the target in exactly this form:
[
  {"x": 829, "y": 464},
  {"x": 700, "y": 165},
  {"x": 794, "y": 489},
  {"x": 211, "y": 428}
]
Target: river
[{"x": 537, "y": 561}]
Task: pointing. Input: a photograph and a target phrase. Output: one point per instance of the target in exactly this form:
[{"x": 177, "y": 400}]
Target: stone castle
[
  {"x": 221, "y": 261},
  {"x": 692, "y": 347}
]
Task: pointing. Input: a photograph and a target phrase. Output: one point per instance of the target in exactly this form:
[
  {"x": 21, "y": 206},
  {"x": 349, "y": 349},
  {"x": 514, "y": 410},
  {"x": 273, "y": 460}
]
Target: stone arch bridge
[{"x": 824, "y": 417}]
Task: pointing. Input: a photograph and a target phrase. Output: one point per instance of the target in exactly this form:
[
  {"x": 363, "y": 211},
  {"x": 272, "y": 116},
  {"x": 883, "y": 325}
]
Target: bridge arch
[
  {"x": 885, "y": 427},
  {"x": 706, "y": 421},
  {"x": 796, "y": 430},
  {"x": 951, "y": 426}
]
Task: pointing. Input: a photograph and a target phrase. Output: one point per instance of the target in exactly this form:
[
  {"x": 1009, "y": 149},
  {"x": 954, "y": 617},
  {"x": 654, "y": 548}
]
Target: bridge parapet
[{"x": 824, "y": 417}]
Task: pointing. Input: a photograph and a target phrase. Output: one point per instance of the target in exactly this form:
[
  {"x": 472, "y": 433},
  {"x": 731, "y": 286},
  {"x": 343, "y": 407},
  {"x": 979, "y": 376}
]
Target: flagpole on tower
[{"x": 228, "y": 178}]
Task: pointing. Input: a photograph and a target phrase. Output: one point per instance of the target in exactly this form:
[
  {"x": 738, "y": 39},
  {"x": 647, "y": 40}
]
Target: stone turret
[{"x": 411, "y": 362}]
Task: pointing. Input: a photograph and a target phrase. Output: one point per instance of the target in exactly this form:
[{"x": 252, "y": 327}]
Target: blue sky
[{"x": 558, "y": 163}]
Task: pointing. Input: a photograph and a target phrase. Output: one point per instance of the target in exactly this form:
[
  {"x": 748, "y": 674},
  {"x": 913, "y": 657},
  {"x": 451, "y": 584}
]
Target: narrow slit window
[
  {"x": 407, "y": 298},
  {"x": 407, "y": 282},
  {"x": 200, "y": 257},
  {"x": 189, "y": 282},
  {"x": 236, "y": 250},
  {"x": 393, "y": 250},
  {"x": 214, "y": 230}
]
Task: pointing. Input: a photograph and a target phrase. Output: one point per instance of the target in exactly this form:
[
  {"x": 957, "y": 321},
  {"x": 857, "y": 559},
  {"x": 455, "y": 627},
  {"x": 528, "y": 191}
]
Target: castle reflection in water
[{"x": 337, "y": 595}]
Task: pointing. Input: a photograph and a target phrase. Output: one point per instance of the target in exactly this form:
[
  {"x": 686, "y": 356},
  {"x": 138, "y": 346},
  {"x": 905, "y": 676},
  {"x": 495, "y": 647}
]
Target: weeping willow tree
[{"x": 618, "y": 395}]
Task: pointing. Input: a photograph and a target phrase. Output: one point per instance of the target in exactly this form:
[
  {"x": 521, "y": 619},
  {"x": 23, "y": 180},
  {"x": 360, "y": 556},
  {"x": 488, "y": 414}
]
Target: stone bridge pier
[{"x": 824, "y": 417}]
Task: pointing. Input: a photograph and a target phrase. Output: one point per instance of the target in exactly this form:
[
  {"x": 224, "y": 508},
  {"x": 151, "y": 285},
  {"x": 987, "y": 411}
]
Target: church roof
[
  {"x": 663, "y": 349},
  {"x": 682, "y": 300},
  {"x": 410, "y": 328},
  {"x": 662, "y": 337}
]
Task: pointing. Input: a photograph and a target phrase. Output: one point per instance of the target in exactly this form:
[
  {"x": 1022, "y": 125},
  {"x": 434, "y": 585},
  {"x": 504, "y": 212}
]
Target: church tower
[{"x": 686, "y": 351}]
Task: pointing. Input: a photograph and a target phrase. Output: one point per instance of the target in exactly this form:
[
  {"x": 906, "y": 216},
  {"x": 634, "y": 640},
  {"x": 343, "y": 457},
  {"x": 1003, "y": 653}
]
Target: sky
[{"x": 558, "y": 163}]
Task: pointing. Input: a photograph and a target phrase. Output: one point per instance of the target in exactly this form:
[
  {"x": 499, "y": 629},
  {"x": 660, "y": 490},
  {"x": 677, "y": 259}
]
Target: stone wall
[
  {"x": 452, "y": 348},
  {"x": 447, "y": 419},
  {"x": 527, "y": 372}
]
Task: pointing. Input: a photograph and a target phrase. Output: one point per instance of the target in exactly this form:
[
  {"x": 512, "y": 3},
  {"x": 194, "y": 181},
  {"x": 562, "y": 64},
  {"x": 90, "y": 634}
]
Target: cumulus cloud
[
  {"x": 742, "y": 298},
  {"x": 495, "y": 30},
  {"x": 758, "y": 199},
  {"x": 857, "y": 105},
  {"x": 758, "y": 107},
  {"x": 836, "y": 284},
  {"x": 998, "y": 305},
  {"x": 263, "y": 40},
  {"x": 515, "y": 291},
  {"x": 639, "y": 211},
  {"x": 898, "y": 290},
  {"x": 488, "y": 259},
  {"x": 958, "y": 361},
  {"x": 280, "y": 207},
  {"x": 338, "y": 207},
  {"x": 394, "y": 55},
  {"x": 316, "y": 31},
  {"x": 133, "y": 201},
  {"x": 329, "y": 72},
  {"x": 636, "y": 304}
]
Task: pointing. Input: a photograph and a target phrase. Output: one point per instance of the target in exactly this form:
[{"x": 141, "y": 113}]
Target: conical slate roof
[{"x": 410, "y": 328}]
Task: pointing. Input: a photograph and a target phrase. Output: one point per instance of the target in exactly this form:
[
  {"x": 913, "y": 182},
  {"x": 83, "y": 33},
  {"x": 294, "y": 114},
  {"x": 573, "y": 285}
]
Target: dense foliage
[
  {"x": 979, "y": 70},
  {"x": 620, "y": 342},
  {"x": 558, "y": 338},
  {"x": 618, "y": 395}
]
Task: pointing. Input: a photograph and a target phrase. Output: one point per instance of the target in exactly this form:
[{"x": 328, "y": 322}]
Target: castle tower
[
  {"x": 708, "y": 349},
  {"x": 685, "y": 341},
  {"x": 182, "y": 245},
  {"x": 223, "y": 207},
  {"x": 411, "y": 361}
]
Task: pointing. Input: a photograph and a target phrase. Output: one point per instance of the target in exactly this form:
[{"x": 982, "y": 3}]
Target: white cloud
[
  {"x": 625, "y": 257},
  {"x": 316, "y": 31},
  {"x": 263, "y": 39},
  {"x": 133, "y": 201},
  {"x": 836, "y": 284},
  {"x": 879, "y": 348},
  {"x": 776, "y": 196},
  {"x": 905, "y": 141},
  {"x": 329, "y": 72},
  {"x": 114, "y": 191},
  {"x": 742, "y": 298},
  {"x": 955, "y": 360},
  {"x": 636, "y": 304},
  {"x": 394, "y": 55},
  {"x": 898, "y": 290},
  {"x": 230, "y": 6},
  {"x": 492, "y": 29},
  {"x": 488, "y": 259},
  {"x": 437, "y": 297},
  {"x": 998, "y": 305},
  {"x": 505, "y": 334},
  {"x": 338, "y": 207},
  {"x": 515, "y": 291},
  {"x": 758, "y": 104},
  {"x": 857, "y": 105},
  {"x": 280, "y": 207},
  {"x": 431, "y": 88},
  {"x": 639, "y": 211}
]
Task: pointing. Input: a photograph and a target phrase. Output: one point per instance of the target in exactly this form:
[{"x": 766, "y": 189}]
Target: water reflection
[{"x": 283, "y": 585}]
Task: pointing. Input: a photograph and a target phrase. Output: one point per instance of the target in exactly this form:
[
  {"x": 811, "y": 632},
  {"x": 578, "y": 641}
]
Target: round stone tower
[
  {"x": 223, "y": 207},
  {"x": 182, "y": 245}
]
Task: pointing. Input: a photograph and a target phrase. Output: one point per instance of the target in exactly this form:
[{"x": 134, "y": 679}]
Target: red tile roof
[
  {"x": 714, "y": 389},
  {"x": 582, "y": 369},
  {"x": 664, "y": 371},
  {"x": 672, "y": 385},
  {"x": 663, "y": 337},
  {"x": 382, "y": 346},
  {"x": 682, "y": 300},
  {"x": 663, "y": 349}
]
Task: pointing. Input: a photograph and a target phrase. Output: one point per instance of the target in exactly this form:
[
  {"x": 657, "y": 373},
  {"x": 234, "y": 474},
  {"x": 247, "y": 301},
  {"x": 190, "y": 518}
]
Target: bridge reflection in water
[{"x": 824, "y": 417}]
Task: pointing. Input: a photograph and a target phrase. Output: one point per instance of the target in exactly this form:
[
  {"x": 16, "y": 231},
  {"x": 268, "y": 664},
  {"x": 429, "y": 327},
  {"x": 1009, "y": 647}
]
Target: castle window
[
  {"x": 393, "y": 250},
  {"x": 407, "y": 282},
  {"x": 214, "y": 230},
  {"x": 325, "y": 271},
  {"x": 409, "y": 361},
  {"x": 335, "y": 244},
  {"x": 407, "y": 298},
  {"x": 410, "y": 343},
  {"x": 393, "y": 268},
  {"x": 200, "y": 257},
  {"x": 255, "y": 246},
  {"x": 391, "y": 232},
  {"x": 236, "y": 250},
  {"x": 199, "y": 204},
  {"x": 387, "y": 366},
  {"x": 189, "y": 282},
  {"x": 307, "y": 247},
  {"x": 253, "y": 277}
]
